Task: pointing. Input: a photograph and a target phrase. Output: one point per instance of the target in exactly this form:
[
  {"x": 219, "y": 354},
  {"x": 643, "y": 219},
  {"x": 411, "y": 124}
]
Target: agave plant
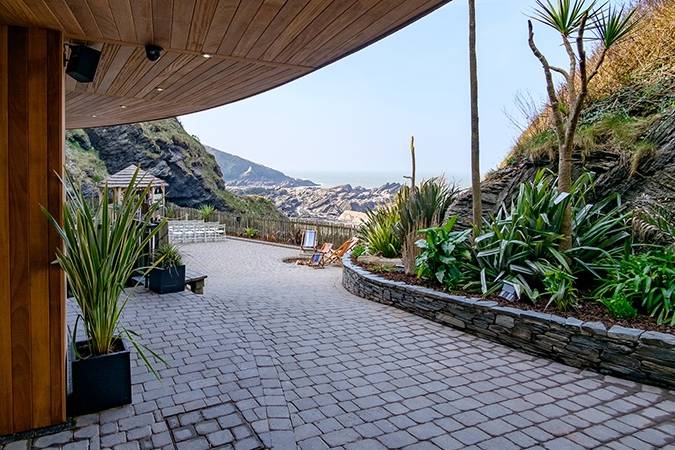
[{"x": 101, "y": 250}]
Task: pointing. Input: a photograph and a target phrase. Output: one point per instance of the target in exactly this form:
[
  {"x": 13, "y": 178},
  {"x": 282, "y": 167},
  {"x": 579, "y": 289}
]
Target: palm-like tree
[
  {"x": 572, "y": 19},
  {"x": 475, "y": 142}
]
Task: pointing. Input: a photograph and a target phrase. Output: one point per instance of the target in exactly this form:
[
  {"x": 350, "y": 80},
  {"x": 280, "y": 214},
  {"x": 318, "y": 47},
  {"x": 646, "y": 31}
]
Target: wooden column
[{"x": 32, "y": 290}]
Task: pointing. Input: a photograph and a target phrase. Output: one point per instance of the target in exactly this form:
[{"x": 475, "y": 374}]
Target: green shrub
[
  {"x": 420, "y": 208},
  {"x": 358, "y": 250},
  {"x": 167, "y": 256},
  {"x": 250, "y": 232},
  {"x": 380, "y": 232},
  {"x": 442, "y": 250},
  {"x": 620, "y": 307},
  {"x": 646, "y": 281},
  {"x": 520, "y": 245}
]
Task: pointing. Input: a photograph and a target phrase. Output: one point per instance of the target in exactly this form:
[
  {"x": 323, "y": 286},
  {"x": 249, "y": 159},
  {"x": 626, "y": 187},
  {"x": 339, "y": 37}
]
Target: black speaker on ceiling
[{"x": 82, "y": 63}]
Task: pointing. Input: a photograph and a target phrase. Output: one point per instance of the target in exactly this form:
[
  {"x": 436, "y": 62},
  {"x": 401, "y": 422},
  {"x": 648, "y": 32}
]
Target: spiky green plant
[
  {"x": 205, "y": 211},
  {"x": 168, "y": 256},
  {"x": 421, "y": 208},
  {"x": 564, "y": 16},
  {"x": 101, "y": 250},
  {"x": 380, "y": 232}
]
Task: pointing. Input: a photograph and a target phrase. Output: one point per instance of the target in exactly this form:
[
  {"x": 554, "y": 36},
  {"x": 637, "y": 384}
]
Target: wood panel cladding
[
  {"x": 32, "y": 289},
  {"x": 252, "y": 46}
]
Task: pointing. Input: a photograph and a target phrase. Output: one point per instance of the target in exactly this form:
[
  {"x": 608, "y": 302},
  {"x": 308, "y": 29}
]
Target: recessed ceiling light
[
  {"x": 93, "y": 115},
  {"x": 159, "y": 89},
  {"x": 206, "y": 55},
  {"x": 123, "y": 106}
]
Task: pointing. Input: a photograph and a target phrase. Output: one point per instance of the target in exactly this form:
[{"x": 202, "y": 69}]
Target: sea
[{"x": 370, "y": 179}]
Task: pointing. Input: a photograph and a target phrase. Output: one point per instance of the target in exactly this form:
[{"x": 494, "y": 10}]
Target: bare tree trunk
[
  {"x": 475, "y": 147},
  {"x": 412, "y": 155}
]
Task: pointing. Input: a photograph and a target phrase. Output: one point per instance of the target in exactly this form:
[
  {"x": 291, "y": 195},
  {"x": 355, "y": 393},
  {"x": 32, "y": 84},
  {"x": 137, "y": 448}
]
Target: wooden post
[{"x": 32, "y": 290}]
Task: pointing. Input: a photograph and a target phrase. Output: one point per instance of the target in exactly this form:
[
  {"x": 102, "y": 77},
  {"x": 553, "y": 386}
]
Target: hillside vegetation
[
  {"x": 627, "y": 129},
  {"x": 166, "y": 150}
]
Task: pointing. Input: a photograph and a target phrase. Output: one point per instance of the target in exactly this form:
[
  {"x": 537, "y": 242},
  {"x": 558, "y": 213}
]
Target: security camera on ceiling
[{"x": 153, "y": 52}]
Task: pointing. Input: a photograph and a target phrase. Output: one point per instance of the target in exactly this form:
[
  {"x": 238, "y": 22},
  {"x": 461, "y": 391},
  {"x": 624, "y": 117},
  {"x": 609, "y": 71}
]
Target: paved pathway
[{"x": 281, "y": 356}]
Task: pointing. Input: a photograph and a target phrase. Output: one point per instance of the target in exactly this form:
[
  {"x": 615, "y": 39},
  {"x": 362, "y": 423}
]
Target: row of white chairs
[{"x": 183, "y": 231}]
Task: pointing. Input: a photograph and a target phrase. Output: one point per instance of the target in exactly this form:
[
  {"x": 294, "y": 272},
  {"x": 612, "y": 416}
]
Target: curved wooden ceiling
[{"x": 254, "y": 45}]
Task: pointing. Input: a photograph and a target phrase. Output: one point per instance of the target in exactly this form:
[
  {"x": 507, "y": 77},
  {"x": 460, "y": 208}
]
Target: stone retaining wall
[{"x": 644, "y": 356}]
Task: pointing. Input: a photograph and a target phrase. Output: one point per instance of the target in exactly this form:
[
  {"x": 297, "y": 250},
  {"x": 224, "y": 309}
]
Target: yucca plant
[
  {"x": 101, "y": 250},
  {"x": 205, "y": 211}
]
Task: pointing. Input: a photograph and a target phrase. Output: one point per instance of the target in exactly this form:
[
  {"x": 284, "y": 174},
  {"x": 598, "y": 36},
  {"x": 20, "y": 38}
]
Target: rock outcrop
[
  {"x": 324, "y": 202},
  {"x": 651, "y": 180}
]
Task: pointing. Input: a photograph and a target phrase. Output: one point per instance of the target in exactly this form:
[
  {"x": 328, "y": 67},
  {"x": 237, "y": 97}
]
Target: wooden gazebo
[{"x": 118, "y": 182}]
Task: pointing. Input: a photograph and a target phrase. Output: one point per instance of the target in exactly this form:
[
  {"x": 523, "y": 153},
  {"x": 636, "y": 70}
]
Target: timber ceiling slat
[
  {"x": 141, "y": 17},
  {"x": 255, "y": 45},
  {"x": 219, "y": 24},
  {"x": 117, "y": 62},
  {"x": 206, "y": 81},
  {"x": 193, "y": 66},
  {"x": 242, "y": 18},
  {"x": 363, "y": 22},
  {"x": 153, "y": 73},
  {"x": 121, "y": 12},
  {"x": 65, "y": 16},
  {"x": 180, "y": 24},
  {"x": 265, "y": 15},
  {"x": 104, "y": 18},
  {"x": 391, "y": 20},
  {"x": 323, "y": 20},
  {"x": 83, "y": 14},
  {"x": 201, "y": 19},
  {"x": 299, "y": 23},
  {"x": 354, "y": 12},
  {"x": 282, "y": 20},
  {"x": 162, "y": 17}
]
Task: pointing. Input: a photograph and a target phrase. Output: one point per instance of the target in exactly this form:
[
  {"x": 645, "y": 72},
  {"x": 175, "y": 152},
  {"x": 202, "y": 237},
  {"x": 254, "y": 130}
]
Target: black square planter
[
  {"x": 165, "y": 281},
  {"x": 100, "y": 382}
]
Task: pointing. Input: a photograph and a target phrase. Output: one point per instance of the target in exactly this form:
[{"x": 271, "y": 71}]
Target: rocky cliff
[{"x": 167, "y": 151}]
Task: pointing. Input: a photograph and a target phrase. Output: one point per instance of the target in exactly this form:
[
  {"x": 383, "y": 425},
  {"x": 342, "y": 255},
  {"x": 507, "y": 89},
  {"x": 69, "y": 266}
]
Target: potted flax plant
[
  {"x": 101, "y": 250},
  {"x": 169, "y": 273}
]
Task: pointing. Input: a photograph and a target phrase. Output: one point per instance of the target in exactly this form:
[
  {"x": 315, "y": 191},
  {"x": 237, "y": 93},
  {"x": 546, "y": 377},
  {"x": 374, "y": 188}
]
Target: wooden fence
[{"x": 287, "y": 231}]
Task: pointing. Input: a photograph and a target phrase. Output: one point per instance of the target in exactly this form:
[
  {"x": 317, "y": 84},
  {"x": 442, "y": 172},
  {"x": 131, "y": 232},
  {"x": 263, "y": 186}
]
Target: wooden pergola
[
  {"x": 118, "y": 182},
  {"x": 214, "y": 52}
]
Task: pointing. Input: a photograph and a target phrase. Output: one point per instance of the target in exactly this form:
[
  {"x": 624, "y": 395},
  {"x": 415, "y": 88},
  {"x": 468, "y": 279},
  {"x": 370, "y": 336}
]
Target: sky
[{"x": 357, "y": 115}]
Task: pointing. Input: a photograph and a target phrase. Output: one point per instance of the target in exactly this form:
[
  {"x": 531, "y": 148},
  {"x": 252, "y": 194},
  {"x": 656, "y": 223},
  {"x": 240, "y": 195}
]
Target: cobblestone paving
[{"x": 281, "y": 355}]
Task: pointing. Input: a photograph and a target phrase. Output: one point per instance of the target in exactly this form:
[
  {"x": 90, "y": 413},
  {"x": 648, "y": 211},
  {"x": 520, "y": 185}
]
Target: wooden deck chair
[
  {"x": 318, "y": 259},
  {"x": 336, "y": 255},
  {"x": 309, "y": 240}
]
